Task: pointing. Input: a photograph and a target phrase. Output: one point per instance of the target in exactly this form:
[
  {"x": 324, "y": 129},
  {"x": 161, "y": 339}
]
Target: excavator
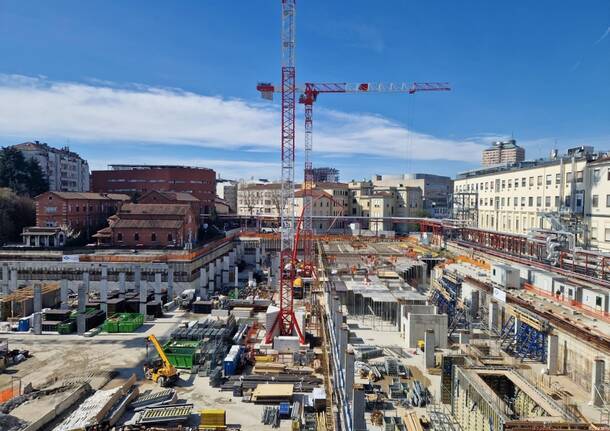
[{"x": 160, "y": 370}]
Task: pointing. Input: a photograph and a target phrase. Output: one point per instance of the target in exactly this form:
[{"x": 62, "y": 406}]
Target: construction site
[{"x": 446, "y": 327}]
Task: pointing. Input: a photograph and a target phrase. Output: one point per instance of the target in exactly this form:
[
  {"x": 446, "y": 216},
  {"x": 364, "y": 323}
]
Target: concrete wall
[{"x": 416, "y": 325}]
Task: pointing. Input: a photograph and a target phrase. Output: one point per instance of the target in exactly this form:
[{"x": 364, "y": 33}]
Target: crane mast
[{"x": 286, "y": 319}]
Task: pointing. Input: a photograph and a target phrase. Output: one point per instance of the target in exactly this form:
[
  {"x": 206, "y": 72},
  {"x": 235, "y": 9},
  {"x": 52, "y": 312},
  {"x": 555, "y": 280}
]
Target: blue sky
[{"x": 174, "y": 82}]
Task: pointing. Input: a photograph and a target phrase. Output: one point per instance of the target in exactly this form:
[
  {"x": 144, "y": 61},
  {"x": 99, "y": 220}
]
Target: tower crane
[
  {"x": 286, "y": 320},
  {"x": 309, "y": 94}
]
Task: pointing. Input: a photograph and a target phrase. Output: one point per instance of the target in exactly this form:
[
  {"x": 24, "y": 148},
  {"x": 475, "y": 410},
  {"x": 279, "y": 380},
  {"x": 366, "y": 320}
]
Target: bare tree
[{"x": 247, "y": 197}]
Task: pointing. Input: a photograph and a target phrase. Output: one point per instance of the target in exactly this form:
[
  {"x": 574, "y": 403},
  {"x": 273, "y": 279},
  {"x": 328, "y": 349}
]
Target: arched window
[{"x": 153, "y": 237}]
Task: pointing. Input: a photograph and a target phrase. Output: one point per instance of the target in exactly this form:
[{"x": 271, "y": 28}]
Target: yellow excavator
[{"x": 160, "y": 370}]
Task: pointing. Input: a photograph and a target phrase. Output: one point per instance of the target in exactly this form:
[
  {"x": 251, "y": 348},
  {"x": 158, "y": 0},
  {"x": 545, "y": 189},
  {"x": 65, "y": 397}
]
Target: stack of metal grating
[
  {"x": 271, "y": 416},
  {"x": 302, "y": 383}
]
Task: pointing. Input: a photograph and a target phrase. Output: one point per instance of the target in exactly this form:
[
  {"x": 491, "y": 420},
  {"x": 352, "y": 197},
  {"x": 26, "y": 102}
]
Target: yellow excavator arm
[{"x": 160, "y": 351}]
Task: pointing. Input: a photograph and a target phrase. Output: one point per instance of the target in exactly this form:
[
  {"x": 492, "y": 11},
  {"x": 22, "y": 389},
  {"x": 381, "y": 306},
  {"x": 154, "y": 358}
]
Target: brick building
[
  {"x": 503, "y": 153},
  {"x": 137, "y": 180},
  {"x": 182, "y": 198},
  {"x": 150, "y": 225},
  {"x": 84, "y": 212}
]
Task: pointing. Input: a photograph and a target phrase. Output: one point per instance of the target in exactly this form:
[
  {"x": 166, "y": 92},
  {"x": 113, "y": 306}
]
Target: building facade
[
  {"x": 65, "y": 170},
  {"x": 227, "y": 191},
  {"x": 137, "y": 180},
  {"x": 435, "y": 189},
  {"x": 529, "y": 195},
  {"x": 502, "y": 153},
  {"x": 597, "y": 203},
  {"x": 150, "y": 225},
  {"x": 182, "y": 198},
  {"x": 79, "y": 212}
]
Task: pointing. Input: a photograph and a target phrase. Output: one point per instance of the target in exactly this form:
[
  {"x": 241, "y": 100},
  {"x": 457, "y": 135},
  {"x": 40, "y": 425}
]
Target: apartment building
[
  {"x": 259, "y": 199},
  {"x": 503, "y": 153},
  {"x": 65, "y": 170},
  {"x": 597, "y": 205},
  {"x": 516, "y": 198},
  {"x": 436, "y": 190},
  {"x": 139, "y": 179},
  {"x": 226, "y": 190},
  {"x": 377, "y": 200}
]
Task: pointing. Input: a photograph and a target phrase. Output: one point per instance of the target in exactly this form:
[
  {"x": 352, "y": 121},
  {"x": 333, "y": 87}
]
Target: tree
[
  {"x": 247, "y": 197},
  {"x": 23, "y": 176},
  {"x": 16, "y": 212}
]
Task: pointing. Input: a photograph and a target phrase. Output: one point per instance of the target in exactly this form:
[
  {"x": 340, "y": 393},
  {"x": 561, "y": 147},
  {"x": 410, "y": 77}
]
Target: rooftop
[
  {"x": 153, "y": 209},
  {"x": 89, "y": 196},
  {"x": 149, "y": 167}
]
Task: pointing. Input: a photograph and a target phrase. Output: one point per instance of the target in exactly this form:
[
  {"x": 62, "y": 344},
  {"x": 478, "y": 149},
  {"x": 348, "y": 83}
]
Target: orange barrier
[
  {"x": 598, "y": 314},
  {"x": 475, "y": 262},
  {"x": 7, "y": 394}
]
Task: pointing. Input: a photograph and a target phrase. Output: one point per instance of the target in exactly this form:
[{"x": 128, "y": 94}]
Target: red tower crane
[
  {"x": 286, "y": 319},
  {"x": 309, "y": 94}
]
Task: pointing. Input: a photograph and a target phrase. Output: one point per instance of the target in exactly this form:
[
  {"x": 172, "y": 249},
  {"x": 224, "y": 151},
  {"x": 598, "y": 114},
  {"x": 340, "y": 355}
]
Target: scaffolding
[{"x": 524, "y": 335}]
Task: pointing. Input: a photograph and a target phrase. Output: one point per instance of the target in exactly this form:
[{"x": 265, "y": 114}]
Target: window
[
  {"x": 531, "y": 201},
  {"x": 507, "y": 202},
  {"x": 568, "y": 199},
  {"x": 549, "y": 179},
  {"x": 547, "y": 201},
  {"x": 579, "y": 176},
  {"x": 136, "y": 236},
  {"x": 598, "y": 301},
  {"x": 607, "y": 234},
  {"x": 523, "y": 181},
  {"x": 557, "y": 178},
  {"x": 502, "y": 202},
  {"x": 608, "y": 174},
  {"x": 607, "y": 201},
  {"x": 557, "y": 203},
  {"x": 516, "y": 182},
  {"x": 596, "y": 175},
  {"x": 531, "y": 181},
  {"x": 510, "y": 183},
  {"x": 77, "y": 208},
  {"x": 539, "y": 180},
  {"x": 503, "y": 184},
  {"x": 569, "y": 177},
  {"x": 539, "y": 201},
  {"x": 169, "y": 237},
  {"x": 594, "y": 201},
  {"x": 593, "y": 232},
  {"x": 153, "y": 237},
  {"x": 50, "y": 209},
  {"x": 119, "y": 236},
  {"x": 523, "y": 201}
]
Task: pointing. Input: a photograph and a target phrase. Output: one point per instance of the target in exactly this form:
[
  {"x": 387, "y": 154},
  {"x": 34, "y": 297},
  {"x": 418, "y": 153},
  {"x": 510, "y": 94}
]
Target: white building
[
  {"x": 65, "y": 170},
  {"x": 526, "y": 195},
  {"x": 227, "y": 191}
]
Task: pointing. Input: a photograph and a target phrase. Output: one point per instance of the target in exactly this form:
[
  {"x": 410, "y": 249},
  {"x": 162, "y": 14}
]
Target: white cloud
[
  {"x": 603, "y": 36},
  {"x": 35, "y": 106}
]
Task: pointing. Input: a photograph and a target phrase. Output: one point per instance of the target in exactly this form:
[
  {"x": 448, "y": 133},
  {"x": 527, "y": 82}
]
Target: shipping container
[
  {"x": 595, "y": 299},
  {"x": 505, "y": 276}
]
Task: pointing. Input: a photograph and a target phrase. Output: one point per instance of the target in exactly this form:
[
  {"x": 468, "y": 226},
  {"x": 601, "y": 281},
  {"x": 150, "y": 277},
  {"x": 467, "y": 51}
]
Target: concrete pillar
[
  {"x": 158, "y": 296},
  {"x": 358, "y": 408},
  {"x": 257, "y": 256},
  {"x": 232, "y": 258},
  {"x": 203, "y": 281},
  {"x": 86, "y": 279},
  {"x": 211, "y": 286},
  {"x": 104, "y": 290},
  {"x": 250, "y": 278},
  {"x": 137, "y": 278},
  {"x": 552, "y": 354},
  {"x": 37, "y": 298},
  {"x": 343, "y": 336},
  {"x": 236, "y": 277},
  {"x": 121, "y": 283},
  {"x": 14, "y": 280},
  {"x": 63, "y": 294},
  {"x": 464, "y": 337},
  {"x": 143, "y": 296},
  {"x": 349, "y": 373},
  {"x": 597, "y": 384},
  {"x": 5, "y": 281},
  {"x": 474, "y": 303},
  {"x": 170, "y": 284},
  {"x": 493, "y": 316},
  {"x": 218, "y": 266},
  {"x": 429, "y": 344},
  {"x": 225, "y": 270},
  {"x": 82, "y": 298},
  {"x": 80, "y": 324},
  {"x": 37, "y": 320}
]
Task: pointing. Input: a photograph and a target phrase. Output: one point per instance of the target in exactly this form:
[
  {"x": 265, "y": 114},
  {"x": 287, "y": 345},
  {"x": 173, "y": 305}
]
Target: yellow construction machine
[{"x": 160, "y": 370}]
